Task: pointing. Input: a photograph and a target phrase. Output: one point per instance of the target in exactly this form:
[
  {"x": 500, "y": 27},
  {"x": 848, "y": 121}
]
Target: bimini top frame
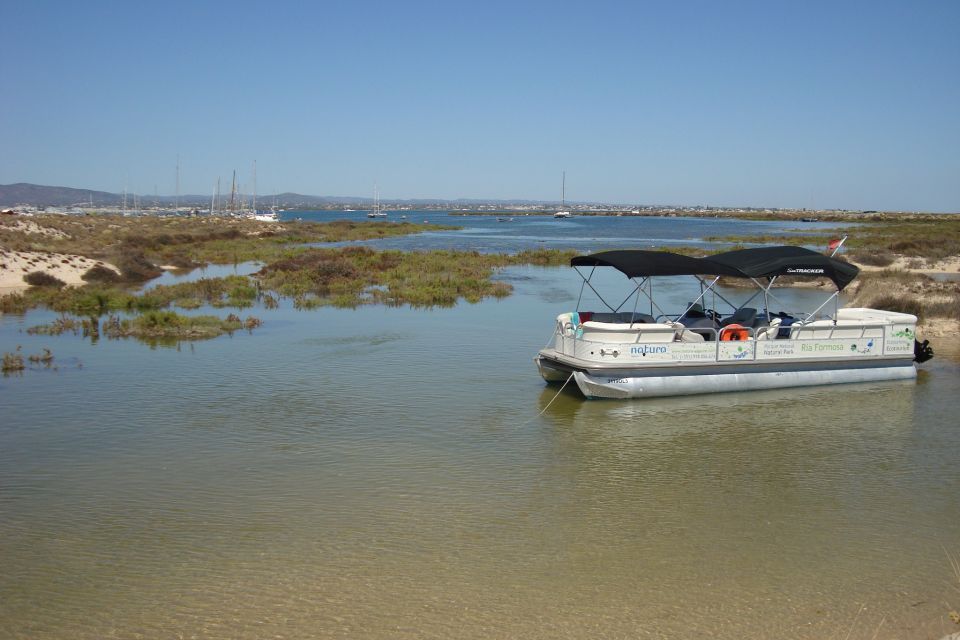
[
  {"x": 754, "y": 264},
  {"x": 762, "y": 262}
]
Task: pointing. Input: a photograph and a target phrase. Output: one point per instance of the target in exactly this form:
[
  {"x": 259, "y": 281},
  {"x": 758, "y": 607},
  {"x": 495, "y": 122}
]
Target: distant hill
[
  {"x": 39, "y": 195},
  {"x": 47, "y": 196}
]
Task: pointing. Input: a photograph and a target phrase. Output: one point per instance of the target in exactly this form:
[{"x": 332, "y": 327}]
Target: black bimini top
[{"x": 763, "y": 262}]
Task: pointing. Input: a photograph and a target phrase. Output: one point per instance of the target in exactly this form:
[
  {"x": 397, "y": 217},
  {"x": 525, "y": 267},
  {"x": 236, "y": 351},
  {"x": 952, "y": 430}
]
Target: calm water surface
[
  {"x": 384, "y": 473},
  {"x": 585, "y": 234}
]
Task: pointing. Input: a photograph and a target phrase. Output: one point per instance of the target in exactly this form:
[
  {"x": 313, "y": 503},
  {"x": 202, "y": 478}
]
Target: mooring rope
[{"x": 542, "y": 411}]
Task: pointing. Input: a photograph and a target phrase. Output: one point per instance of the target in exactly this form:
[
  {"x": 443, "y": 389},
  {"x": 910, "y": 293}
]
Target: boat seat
[
  {"x": 694, "y": 311},
  {"x": 686, "y": 335},
  {"x": 624, "y": 332},
  {"x": 621, "y": 317},
  {"x": 769, "y": 331},
  {"x": 744, "y": 316},
  {"x": 698, "y": 323}
]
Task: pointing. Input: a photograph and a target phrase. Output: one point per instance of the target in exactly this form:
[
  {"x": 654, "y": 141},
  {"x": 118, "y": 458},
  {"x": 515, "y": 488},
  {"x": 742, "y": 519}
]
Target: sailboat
[
  {"x": 376, "y": 212},
  {"x": 563, "y": 213}
]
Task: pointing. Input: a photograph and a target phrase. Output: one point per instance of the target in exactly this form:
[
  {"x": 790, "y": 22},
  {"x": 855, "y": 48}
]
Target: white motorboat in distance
[
  {"x": 266, "y": 216},
  {"x": 633, "y": 354}
]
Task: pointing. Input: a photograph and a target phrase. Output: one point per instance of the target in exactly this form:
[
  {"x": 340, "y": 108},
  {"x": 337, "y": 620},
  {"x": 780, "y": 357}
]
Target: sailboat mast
[
  {"x": 176, "y": 198},
  {"x": 563, "y": 191},
  {"x": 254, "y": 187}
]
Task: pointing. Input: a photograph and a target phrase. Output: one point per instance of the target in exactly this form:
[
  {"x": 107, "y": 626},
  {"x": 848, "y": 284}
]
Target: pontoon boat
[{"x": 638, "y": 353}]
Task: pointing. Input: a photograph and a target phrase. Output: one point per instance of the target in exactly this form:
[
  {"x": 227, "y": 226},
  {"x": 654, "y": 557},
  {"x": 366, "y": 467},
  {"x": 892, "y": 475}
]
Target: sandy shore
[
  {"x": 950, "y": 265},
  {"x": 14, "y": 265}
]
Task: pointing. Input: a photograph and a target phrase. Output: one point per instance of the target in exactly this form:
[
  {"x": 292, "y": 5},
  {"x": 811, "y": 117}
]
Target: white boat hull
[
  {"x": 644, "y": 360},
  {"x": 593, "y": 386}
]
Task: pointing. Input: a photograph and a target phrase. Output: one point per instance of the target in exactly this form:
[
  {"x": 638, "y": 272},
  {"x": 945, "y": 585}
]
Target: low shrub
[
  {"x": 900, "y": 304},
  {"x": 134, "y": 267},
  {"x": 43, "y": 279},
  {"x": 100, "y": 274},
  {"x": 874, "y": 258},
  {"x": 943, "y": 309}
]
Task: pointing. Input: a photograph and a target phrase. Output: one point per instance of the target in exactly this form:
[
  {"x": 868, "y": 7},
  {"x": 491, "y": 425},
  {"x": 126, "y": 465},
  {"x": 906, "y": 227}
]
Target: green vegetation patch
[
  {"x": 907, "y": 292},
  {"x": 154, "y": 326},
  {"x": 352, "y": 276},
  {"x": 13, "y": 362},
  {"x": 928, "y": 238},
  {"x": 138, "y": 245}
]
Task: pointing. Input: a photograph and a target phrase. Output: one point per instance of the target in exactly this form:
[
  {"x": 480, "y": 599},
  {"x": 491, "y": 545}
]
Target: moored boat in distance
[
  {"x": 266, "y": 216},
  {"x": 563, "y": 213},
  {"x": 694, "y": 350},
  {"x": 376, "y": 212}
]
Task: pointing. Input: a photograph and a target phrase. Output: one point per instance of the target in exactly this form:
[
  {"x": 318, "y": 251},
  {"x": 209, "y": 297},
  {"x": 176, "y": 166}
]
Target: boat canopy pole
[
  {"x": 636, "y": 290},
  {"x": 650, "y": 296},
  {"x": 703, "y": 292},
  {"x": 767, "y": 293},
  {"x": 580, "y": 297},
  {"x": 636, "y": 301},
  {"x": 711, "y": 287},
  {"x": 649, "y": 281},
  {"x": 756, "y": 293},
  {"x": 586, "y": 281},
  {"x": 834, "y": 296}
]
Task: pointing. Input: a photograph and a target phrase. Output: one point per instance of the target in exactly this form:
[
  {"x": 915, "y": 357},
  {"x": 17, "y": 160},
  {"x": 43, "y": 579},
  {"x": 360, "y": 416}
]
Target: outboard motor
[{"x": 922, "y": 351}]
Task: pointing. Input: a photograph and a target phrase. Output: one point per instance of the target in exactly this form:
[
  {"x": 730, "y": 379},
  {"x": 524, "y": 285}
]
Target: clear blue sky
[{"x": 792, "y": 104}]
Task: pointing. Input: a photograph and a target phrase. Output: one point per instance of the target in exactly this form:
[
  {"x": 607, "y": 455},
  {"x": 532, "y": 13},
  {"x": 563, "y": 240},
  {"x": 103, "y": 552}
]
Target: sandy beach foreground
[{"x": 14, "y": 265}]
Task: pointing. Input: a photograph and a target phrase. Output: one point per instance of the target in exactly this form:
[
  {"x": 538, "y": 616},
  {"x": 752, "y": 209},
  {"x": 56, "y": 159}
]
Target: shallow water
[
  {"x": 581, "y": 233},
  {"x": 384, "y": 473}
]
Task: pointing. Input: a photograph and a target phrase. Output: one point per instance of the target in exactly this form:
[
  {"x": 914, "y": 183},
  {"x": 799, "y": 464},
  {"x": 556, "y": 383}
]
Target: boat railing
[
  {"x": 834, "y": 329},
  {"x": 605, "y": 335}
]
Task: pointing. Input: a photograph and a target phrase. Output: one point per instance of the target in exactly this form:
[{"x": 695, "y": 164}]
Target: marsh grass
[
  {"x": 61, "y": 325},
  {"x": 45, "y": 357},
  {"x": 876, "y": 239},
  {"x": 136, "y": 245},
  {"x": 900, "y": 304},
  {"x": 954, "y": 613},
  {"x": 353, "y": 276},
  {"x": 907, "y": 292},
  {"x": 311, "y": 277},
  {"x": 165, "y": 325},
  {"x": 14, "y": 303},
  {"x": 820, "y": 239},
  {"x": 12, "y": 362},
  {"x": 878, "y": 258}
]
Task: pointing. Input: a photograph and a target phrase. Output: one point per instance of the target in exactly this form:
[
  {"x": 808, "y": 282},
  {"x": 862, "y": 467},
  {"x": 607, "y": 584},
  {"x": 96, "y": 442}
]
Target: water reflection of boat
[
  {"x": 631, "y": 354},
  {"x": 709, "y": 409}
]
